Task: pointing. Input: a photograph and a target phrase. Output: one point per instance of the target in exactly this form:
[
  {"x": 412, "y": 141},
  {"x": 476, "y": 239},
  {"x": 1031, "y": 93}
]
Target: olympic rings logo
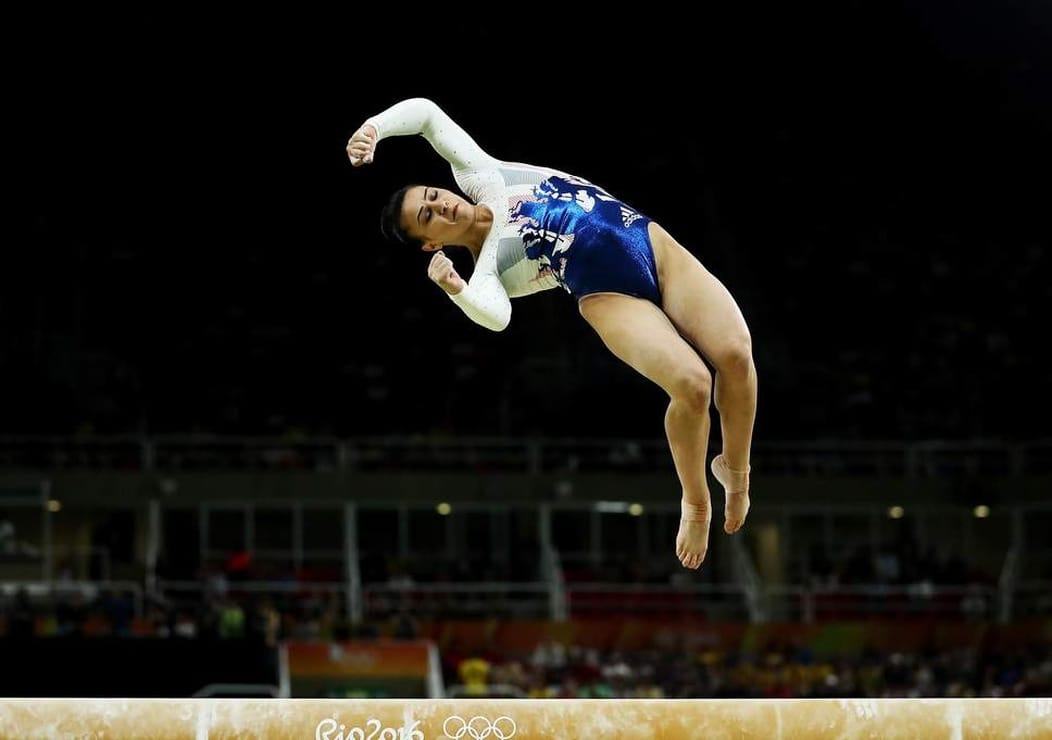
[{"x": 479, "y": 728}]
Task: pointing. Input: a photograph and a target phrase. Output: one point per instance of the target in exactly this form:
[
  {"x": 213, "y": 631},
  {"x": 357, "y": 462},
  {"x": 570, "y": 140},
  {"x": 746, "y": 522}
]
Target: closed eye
[{"x": 431, "y": 195}]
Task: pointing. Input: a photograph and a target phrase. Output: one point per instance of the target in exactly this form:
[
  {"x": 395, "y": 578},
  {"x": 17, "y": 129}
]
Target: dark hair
[{"x": 391, "y": 219}]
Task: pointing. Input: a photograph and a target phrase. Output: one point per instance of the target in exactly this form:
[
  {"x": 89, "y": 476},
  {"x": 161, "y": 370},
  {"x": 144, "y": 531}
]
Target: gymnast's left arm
[{"x": 483, "y": 298}]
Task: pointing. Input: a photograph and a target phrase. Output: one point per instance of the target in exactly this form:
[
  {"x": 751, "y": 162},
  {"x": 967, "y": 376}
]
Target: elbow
[
  {"x": 501, "y": 323},
  {"x": 425, "y": 103}
]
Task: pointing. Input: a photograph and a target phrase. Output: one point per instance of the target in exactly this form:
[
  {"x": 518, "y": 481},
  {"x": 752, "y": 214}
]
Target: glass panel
[
  {"x": 180, "y": 556},
  {"x": 808, "y": 556},
  {"x": 619, "y": 544},
  {"x": 429, "y": 560},
  {"x": 377, "y": 543},
  {"x": 226, "y": 531},
  {"x": 323, "y": 529},
  {"x": 571, "y": 537},
  {"x": 525, "y": 545},
  {"x": 272, "y": 528}
]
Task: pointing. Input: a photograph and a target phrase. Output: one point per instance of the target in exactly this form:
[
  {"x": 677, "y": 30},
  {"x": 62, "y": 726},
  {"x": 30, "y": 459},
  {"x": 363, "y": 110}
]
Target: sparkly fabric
[{"x": 592, "y": 242}]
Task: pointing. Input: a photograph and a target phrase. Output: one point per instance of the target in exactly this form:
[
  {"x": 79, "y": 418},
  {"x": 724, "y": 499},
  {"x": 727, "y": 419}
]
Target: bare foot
[
  {"x": 692, "y": 541},
  {"x": 736, "y": 487}
]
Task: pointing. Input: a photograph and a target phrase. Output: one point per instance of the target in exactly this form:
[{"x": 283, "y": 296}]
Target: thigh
[
  {"x": 642, "y": 336},
  {"x": 697, "y": 303}
]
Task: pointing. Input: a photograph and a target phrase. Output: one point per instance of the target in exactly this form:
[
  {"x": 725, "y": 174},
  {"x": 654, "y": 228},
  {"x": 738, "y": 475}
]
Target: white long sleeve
[
  {"x": 422, "y": 116},
  {"x": 484, "y": 299}
]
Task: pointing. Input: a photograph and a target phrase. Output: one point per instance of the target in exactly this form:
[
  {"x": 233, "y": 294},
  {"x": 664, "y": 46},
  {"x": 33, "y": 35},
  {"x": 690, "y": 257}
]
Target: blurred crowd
[
  {"x": 554, "y": 670},
  {"x": 670, "y": 668}
]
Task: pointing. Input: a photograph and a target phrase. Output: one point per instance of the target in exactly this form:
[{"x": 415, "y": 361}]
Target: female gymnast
[{"x": 653, "y": 304}]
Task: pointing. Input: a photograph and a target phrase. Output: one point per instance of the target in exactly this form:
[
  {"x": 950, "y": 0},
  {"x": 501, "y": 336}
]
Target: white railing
[
  {"x": 932, "y": 458},
  {"x": 797, "y": 603},
  {"x": 512, "y": 600},
  {"x": 85, "y": 591},
  {"x": 1031, "y": 599},
  {"x": 179, "y": 592},
  {"x": 531, "y": 600},
  {"x": 712, "y": 601}
]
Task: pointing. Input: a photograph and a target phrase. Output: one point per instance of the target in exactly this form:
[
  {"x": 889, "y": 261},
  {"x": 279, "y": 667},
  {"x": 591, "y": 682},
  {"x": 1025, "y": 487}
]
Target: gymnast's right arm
[
  {"x": 419, "y": 116},
  {"x": 483, "y": 298}
]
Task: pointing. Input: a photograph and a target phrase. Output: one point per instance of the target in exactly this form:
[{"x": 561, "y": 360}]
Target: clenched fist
[
  {"x": 361, "y": 145},
  {"x": 441, "y": 271}
]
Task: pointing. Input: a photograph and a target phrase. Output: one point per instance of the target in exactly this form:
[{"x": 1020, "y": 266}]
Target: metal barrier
[
  {"x": 932, "y": 458},
  {"x": 795, "y": 603},
  {"x": 1031, "y": 599},
  {"x": 504, "y": 600},
  {"x": 713, "y": 602},
  {"x": 85, "y": 590}
]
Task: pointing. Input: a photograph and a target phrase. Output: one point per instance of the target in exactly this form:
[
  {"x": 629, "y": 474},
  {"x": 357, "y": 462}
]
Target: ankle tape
[{"x": 695, "y": 512}]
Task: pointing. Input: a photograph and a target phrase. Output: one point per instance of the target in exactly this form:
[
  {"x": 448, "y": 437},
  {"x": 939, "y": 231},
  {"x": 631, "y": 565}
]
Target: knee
[
  {"x": 693, "y": 387},
  {"x": 735, "y": 358}
]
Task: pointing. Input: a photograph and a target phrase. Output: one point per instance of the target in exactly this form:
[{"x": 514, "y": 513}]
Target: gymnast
[{"x": 652, "y": 302}]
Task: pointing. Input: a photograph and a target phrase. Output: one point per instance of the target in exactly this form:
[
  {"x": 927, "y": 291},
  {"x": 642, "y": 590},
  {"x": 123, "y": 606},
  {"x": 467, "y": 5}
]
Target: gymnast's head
[{"x": 427, "y": 217}]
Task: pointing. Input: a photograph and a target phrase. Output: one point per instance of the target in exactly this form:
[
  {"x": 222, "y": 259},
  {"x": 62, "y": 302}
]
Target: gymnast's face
[{"x": 435, "y": 216}]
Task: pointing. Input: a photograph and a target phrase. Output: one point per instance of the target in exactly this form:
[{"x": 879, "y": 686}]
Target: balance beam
[{"x": 522, "y": 719}]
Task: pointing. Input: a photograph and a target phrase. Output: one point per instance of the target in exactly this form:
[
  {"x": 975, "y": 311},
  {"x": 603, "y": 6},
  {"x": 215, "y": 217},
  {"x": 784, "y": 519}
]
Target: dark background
[{"x": 188, "y": 249}]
